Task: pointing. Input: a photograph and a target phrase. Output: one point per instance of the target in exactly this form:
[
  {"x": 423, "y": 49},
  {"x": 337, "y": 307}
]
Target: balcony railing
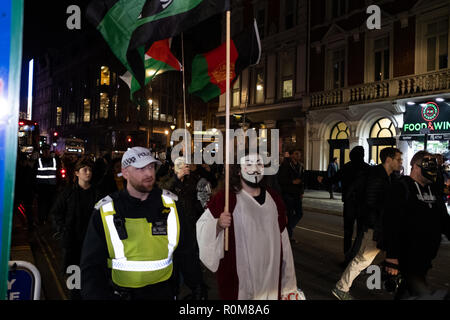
[{"x": 401, "y": 87}]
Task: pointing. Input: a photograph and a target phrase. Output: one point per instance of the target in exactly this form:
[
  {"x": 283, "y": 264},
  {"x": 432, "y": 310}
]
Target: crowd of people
[{"x": 140, "y": 225}]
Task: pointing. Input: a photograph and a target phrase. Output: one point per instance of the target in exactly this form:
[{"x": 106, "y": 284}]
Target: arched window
[
  {"x": 339, "y": 145},
  {"x": 382, "y": 135},
  {"x": 339, "y": 131},
  {"x": 383, "y": 128}
]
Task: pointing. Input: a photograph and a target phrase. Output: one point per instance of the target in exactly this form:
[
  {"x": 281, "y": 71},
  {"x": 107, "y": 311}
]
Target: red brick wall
[{"x": 404, "y": 48}]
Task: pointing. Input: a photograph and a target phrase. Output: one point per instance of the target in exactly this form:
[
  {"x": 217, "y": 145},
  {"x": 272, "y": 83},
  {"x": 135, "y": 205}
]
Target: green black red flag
[{"x": 130, "y": 27}]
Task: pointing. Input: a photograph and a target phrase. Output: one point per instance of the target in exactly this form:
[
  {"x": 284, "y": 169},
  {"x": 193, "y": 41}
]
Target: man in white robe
[{"x": 259, "y": 263}]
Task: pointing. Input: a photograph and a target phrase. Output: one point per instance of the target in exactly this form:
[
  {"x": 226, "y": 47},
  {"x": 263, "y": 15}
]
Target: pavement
[{"x": 319, "y": 201}]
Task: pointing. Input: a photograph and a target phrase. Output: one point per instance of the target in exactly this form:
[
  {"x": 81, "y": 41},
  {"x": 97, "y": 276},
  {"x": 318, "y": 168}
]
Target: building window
[
  {"x": 71, "y": 117},
  {"x": 114, "y": 102},
  {"x": 381, "y": 47},
  {"x": 382, "y": 136},
  {"x": 339, "y": 144},
  {"x": 339, "y": 131},
  {"x": 104, "y": 76},
  {"x": 383, "y": 128},
  {"x": 290, "y": 11},
  {"x": 437, "y": 45},
  {"x": 155, "y": 110},
  {"x": 338, "y": 68},
  {"x": 104, "y": 105},
  {"x": 259, "y": 88},
  {"x": 87, "y": 110},
  {"x": 236, "y": 93},
  {"x": 287, "y": 74},
  {"x": 58, "y": 116}
]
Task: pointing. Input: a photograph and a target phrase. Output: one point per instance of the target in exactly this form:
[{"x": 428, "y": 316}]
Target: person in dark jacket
[
  {"x": 377, "y": 192},
  {"x": 112, "y": 180},
  {"x": 291, "y": 180},
  {"x": 331, "y": 172},
  {"x": 72, "y": 211},
  {"x": 412, "y": 226},
  {"x": 353, "y": 176},
  {"x": 184, "y": 185}
]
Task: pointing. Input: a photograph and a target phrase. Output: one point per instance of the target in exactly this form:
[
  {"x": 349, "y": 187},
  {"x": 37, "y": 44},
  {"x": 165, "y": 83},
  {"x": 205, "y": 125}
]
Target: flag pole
[
  {"x": 184, "y": 99},
  {"x": 227, "y": 125}
]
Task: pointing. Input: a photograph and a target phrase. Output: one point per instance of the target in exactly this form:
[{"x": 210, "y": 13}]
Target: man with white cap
[{"x": 133, "y": 237}]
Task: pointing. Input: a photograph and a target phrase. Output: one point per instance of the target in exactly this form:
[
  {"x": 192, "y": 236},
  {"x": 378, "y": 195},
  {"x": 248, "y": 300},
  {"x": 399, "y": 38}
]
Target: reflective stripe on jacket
[
  {"x": 145, "y": 256},
  {"x": 46, "y": 175}
]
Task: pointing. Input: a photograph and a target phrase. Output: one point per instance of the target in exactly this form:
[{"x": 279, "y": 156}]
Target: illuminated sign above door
[{"x": 434, "y": 116}]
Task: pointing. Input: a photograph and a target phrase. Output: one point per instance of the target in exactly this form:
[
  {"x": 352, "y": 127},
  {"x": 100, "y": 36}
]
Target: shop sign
[{"x": 432, "y": 116}]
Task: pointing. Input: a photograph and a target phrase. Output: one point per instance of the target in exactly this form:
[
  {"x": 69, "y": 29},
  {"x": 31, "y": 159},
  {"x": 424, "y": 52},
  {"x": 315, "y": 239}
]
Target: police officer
[
  {"x": 132, "y": 238},
  {"x": 46, "y": 169}
]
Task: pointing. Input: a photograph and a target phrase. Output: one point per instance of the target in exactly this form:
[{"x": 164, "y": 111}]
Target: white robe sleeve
[
  {"x": 211, "y": 247},
  {"x": 288, "y": 278}
]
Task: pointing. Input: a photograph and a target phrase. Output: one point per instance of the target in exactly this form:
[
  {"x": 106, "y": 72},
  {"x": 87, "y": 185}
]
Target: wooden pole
[
  {"x": 227, "y": 127},
  {"x": 184, "y": 100}
]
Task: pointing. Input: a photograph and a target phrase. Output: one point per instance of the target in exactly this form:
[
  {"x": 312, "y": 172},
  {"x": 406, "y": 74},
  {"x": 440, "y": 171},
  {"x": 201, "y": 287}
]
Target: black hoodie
[{"x": 413, "y": 223}]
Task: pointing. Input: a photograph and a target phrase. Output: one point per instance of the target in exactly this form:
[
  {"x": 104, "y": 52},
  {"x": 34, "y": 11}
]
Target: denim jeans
[{"x": 294, "y": 211}]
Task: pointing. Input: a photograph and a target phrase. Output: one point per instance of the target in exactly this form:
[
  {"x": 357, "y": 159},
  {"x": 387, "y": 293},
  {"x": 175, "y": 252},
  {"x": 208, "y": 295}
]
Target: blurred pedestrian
[
  {"x": 46, "y": 180},
  {"x": 353, "y": 176},
  {"x": 291, "y": 179},
  {"x": 112, "y": 180},
  {"x": 333, "y": 168},
  {"x": 72, "y": 211},
  {"x": 184, "y": 185},
  {"x": 377, "y": 194}
]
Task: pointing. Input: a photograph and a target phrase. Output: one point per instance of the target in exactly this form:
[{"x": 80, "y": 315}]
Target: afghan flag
[
  {"x": 209, "y": 69},
  {"x": 158, "y": 59},
  {"x": 130, "y": 27}
]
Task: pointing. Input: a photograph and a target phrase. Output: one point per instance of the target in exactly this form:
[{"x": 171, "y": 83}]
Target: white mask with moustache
[{"x": 252, "y": 169}]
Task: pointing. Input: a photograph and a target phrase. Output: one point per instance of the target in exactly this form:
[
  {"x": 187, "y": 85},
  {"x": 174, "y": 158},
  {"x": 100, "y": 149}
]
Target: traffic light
[
  {"x": 55, "y": 137},
  {"x": 129, "y": 140}
]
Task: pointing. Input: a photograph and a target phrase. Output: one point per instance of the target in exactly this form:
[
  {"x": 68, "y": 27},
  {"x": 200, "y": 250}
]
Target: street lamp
[{"x": 172, "y": 127}]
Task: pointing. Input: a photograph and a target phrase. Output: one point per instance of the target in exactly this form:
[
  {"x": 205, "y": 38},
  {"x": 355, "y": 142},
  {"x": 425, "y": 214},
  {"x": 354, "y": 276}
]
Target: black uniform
[{"x": 96, "y": 280}]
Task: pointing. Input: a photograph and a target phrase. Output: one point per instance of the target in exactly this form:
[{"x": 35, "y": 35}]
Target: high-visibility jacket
[
  {"x": 145, "y": 256},
  {"x": 46, "y": 175}
]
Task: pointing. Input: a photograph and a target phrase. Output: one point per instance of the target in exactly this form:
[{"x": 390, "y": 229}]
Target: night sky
[{"x": 45, "y": 27}]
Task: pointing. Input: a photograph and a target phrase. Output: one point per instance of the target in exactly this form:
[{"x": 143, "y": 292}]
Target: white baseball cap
[{"x": 138, "y": 157}]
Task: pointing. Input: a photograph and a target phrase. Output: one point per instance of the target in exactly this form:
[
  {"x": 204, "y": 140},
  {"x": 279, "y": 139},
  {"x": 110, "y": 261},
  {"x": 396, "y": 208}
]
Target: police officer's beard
[{"x": 140, "y": 187}]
